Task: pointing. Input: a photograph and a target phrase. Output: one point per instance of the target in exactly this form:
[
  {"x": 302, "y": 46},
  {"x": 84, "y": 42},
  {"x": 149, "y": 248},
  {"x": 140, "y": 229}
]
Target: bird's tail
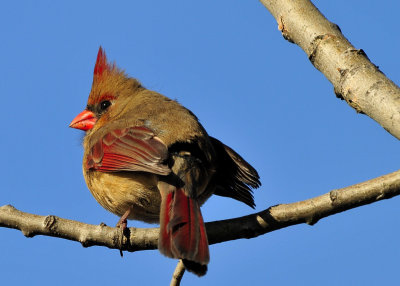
[{"x": 182, "y": 230}]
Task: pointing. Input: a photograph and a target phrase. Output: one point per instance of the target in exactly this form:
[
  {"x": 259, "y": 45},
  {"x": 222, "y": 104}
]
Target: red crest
[{"x": 101, "y": 63}]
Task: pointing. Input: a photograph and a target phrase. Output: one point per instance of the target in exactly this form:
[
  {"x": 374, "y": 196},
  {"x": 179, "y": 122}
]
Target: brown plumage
[{"x": 148, "y": 158}]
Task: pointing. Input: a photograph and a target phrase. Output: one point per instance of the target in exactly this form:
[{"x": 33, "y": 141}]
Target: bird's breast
[{"x": 117, "y": 192}]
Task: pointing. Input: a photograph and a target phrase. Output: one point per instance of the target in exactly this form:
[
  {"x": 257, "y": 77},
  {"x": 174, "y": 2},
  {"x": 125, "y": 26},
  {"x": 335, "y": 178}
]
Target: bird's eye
[{"x": 104, "y": 105}]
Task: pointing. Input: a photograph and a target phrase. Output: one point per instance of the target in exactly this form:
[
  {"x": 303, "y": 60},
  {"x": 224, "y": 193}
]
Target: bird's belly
[{"x": 117, "y": 192}]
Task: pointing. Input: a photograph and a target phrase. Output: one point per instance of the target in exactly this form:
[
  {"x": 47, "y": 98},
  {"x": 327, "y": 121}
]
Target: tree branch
[
  {"x": 354, "y": 77},
  {"x": 273, "y": 218}
]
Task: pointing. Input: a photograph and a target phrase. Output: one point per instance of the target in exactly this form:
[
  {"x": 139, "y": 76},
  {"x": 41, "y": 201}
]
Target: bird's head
[{"x": 111, "y": 89}]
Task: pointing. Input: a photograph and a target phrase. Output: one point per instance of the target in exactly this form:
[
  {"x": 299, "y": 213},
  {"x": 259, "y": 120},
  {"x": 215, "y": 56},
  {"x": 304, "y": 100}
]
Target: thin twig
[{"x": 178, "y": 274}]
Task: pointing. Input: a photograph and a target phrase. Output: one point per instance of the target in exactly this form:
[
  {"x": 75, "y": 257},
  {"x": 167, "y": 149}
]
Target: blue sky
[{"x": 259, "y": 94}]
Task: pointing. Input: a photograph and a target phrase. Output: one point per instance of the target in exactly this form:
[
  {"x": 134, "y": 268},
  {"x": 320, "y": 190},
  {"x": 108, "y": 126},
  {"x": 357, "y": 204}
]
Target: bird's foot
[{"x": 122, "y": 224}]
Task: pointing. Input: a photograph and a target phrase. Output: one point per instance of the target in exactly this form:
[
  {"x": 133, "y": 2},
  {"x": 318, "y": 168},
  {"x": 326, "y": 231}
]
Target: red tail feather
[
  {"x": 182, "y": 231},
  {"x": 164, "y": 244}
]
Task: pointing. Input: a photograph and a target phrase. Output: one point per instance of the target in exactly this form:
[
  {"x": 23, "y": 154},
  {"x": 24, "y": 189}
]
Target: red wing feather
[{"x": 129, "y": 149}]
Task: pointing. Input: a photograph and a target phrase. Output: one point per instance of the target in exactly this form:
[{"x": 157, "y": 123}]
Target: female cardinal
[{"x": 148, "y": 158}]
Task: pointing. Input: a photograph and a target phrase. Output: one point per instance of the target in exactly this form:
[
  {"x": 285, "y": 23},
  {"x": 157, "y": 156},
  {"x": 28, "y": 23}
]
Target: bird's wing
[
  {"x": 129, "y": 149},
  {"x": 235, "y": 177}
]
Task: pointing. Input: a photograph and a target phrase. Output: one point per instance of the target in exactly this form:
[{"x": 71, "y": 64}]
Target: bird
[{"x": 148, "y": 158}]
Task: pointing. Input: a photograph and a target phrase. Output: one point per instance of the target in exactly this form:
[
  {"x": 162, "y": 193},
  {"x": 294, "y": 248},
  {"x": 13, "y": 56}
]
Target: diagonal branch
[
  {"x": 273, "y": 218},
  {"x": 354, "y": 77}
]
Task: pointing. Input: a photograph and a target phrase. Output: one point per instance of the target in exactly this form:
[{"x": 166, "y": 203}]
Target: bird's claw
[{"x": 122, "y": 224}]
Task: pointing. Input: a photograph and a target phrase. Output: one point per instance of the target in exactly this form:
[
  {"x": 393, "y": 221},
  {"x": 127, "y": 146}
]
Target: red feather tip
[{"x": 101, "y": 63}]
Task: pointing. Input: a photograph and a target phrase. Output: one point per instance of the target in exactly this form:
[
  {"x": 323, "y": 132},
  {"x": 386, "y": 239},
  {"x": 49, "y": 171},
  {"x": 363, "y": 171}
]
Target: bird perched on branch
[{"x": 146, "y": 157}]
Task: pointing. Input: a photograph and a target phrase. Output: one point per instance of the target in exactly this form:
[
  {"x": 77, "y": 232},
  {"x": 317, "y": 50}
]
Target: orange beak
[{"x": 84, "y": 120}]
